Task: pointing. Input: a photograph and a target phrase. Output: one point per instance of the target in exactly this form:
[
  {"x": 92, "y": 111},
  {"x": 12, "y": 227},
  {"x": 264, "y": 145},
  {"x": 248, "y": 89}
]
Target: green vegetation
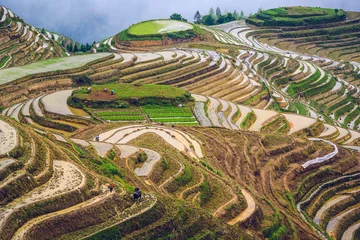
[
  {"x": 118, "y": 115},
  {"x": 158, "y": 30},
  {"x": 142, "y": 157},
  {"x": 296, "y": 16},
  {"x": 249, "y": 119},
  {"x": 157, "y": 27},
  {"x": 170, "y": 114},
  {"x": 185, "y": 178},
  {"x": 125, "y": 94},
  {"x": 205, "y": 192},
  {"x": 301, "y": 108},
  {"x": 4, "y": 60},
  {"x": 178, "y": 17},
  {"x": 214, "y": 18}
]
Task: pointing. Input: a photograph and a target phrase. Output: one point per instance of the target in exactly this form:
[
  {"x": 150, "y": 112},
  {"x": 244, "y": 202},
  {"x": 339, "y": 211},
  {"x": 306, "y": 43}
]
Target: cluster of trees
[
  {"x": 213, "y": 18},
  {"x": 78, "y": 47},
  {"x": 177, "y": 16}
]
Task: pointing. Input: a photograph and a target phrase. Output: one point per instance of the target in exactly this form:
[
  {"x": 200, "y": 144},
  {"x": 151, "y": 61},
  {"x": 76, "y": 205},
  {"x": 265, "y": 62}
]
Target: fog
[{"x": 93, "y": 20}]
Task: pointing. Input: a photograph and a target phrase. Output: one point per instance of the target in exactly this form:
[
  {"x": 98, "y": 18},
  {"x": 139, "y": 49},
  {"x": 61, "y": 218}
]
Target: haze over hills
[{"x": 248, "y": 129}]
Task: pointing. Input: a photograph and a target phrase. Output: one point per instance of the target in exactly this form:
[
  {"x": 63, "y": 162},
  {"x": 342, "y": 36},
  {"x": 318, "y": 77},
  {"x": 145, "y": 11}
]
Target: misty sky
[{"x": 94, "y": 20}]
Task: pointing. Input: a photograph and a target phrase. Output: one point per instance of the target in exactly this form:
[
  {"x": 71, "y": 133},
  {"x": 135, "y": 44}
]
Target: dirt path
[
  {"x": 173, "y": 176},
  {"x": 250, "y": 209},
  {"x": 221, "y": 209},
  {"x": 181, "y": 196}
]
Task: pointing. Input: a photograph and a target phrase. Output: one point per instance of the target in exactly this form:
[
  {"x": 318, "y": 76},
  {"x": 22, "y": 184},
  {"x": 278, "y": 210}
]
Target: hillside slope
[{"x": 21, "y": 43}]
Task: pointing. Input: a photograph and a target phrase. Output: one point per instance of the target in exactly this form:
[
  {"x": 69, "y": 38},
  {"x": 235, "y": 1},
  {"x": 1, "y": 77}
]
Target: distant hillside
[
  {"x": 21, "y": 43},
  {"x": 296, "y": 16}
]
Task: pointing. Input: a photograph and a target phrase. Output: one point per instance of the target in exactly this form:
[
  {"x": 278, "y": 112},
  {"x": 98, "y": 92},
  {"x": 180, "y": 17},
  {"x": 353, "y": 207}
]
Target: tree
[
  {"x": 259, "y": 10},
  {"x": 212, "y": 13},
  {"x": 76, "y": 48},
  {"x": 336, "y": 11},
  {"x": 197, "y": 17},
  {"x": 229, "y": 17},
  {"x": 236, "y": 15},
  {"x": 218, "y": 13},
  {"x": 208, "y": 20},
  {"x": 176, "y": 16},
  {"x": 242, "y": 15},
  {"x": 221, "y": 19},
  {"x": 69, "y": 47},
  {"x": 83, "y": 48},
  {"x": 87, "y": 47},
  {"x": 43, "y": 31}
]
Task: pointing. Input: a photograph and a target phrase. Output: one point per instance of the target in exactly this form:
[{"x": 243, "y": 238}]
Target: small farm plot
[
  {"x": 115, "y": 115},
  {"x": 171, "y": 115}
]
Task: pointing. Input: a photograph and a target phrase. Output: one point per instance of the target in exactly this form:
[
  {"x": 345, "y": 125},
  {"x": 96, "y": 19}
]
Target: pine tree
[
  {"x": 197, "y": 17},
  {"x": 212, "y": 13},
  {"x": 218, "y": 13},
  {"x": 236, "y": 15},
  {"x": 242, "y": 15}
]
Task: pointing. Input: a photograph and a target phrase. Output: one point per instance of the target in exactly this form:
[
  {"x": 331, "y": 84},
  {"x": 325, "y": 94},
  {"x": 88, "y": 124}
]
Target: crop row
[
  {"x": 115, "y": 113},
  {"x": 124, "y": 118},
  {"x": 172, "y": 120}
]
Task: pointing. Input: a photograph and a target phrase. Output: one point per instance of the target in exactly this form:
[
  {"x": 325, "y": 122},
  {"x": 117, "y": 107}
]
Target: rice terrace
[{"x": 224, "y": 126}]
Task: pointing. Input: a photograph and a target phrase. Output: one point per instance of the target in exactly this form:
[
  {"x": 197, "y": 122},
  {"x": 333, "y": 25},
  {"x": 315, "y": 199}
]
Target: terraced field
[
  {"x": 240, "y": 132},
  {"x": 22, "y": 43}
]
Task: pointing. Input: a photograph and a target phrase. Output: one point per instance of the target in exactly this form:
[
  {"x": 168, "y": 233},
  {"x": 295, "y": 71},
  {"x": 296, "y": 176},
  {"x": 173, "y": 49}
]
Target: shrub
[
  {"x": 205, "y": 192},
  {"x": 164, "y": 164},
  {"x": 17, "y": 152},
  {"x": 142, "y": 157},
  {"x": 185, "y": 178}
]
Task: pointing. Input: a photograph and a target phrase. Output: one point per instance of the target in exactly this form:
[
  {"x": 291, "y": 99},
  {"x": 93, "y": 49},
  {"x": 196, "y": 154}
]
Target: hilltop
[{"x": 296, "y": 16}]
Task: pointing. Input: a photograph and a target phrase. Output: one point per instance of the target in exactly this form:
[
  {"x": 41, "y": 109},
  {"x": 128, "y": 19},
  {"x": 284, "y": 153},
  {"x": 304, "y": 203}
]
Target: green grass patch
[
  {"x": 130, "y": 94},
  {"x": 301, "y": 108},
  {"x": 249, "y": 119},
  {"x": 296, "y": 16},
  {"x": 4, "y": 60},
  {"x": 158, "y": 27}
]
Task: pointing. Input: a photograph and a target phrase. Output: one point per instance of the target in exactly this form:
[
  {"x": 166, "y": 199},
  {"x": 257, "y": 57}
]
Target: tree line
[{"x": 214, "y": 18}]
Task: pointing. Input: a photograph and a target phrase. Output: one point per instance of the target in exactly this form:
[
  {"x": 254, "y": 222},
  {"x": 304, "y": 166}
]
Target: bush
[
  {"x": 205, "y": 192},
  {"x": 17, "y": 152},
  {"x": 142, "y": 157},
  {"x": 81, "y": 80},
  {"x": 185, "y": 178},
  {"x": 164, "y": 164},
  {"x": 109, "y": 169}
]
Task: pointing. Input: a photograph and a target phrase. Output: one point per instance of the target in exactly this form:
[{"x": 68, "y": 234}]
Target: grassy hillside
[
  {"x": 158, "y": 27},
  {"x": 296, "y": 16}
]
